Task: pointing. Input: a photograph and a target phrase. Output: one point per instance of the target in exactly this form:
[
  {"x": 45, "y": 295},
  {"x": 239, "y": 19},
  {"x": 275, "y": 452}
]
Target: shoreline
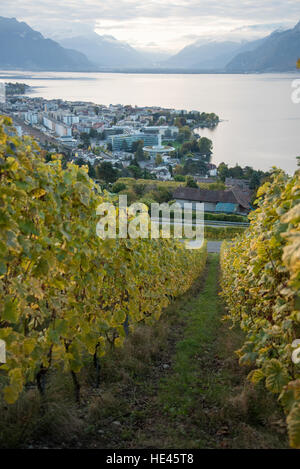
[{"x": 142, "y": 72}]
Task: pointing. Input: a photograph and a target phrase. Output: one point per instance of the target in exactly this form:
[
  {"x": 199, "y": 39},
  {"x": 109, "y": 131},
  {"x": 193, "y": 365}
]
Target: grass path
[{"x": 204, "y": 401}]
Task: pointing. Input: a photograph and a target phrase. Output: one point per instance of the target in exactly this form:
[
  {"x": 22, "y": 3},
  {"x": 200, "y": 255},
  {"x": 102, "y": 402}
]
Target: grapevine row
[
  {"x": 261, "y": 285},
  {"x": 65, "y": 294}
]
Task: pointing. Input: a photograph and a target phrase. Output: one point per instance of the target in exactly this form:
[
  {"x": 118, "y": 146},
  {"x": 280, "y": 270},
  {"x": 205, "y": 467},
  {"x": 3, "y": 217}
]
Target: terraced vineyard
[{"x": 121, "y": 343}]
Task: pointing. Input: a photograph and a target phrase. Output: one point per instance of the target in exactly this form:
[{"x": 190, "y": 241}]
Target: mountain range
[
  {"x": 106, "y": 51},
  {"x": 214, "y": 55},
  {"x": 28, "y": 49},
  {"x": 278, "y": 52}
]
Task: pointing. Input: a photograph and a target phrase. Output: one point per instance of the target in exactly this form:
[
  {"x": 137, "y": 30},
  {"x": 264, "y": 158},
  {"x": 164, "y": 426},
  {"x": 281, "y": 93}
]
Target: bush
[
  {"x": 118, "y": 187},
  {"x": 225, "y": 217},
  {"x": 219, "y": 233},
  {"x": 179, "y": 178}
]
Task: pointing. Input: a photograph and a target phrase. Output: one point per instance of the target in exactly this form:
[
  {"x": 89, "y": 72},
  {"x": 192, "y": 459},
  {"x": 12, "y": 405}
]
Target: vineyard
[
  {"x": 66, "y": 295},
  {"x": 261, "y": 282},
  {"x": 73, "y": 305}
]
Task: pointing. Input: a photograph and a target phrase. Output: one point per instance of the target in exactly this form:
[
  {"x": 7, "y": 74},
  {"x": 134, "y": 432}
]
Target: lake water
[{"x": 260, "y": 127}]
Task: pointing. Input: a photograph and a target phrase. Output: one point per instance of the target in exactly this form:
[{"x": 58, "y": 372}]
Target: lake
[{"x": 260, "y": 124}]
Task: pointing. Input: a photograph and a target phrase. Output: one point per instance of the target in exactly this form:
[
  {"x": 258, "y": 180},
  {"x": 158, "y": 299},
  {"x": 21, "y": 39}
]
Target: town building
[
  {"x": 239, "y": 183},
  {"x": 122, "y": 142},
  {"x": 228, "y": 201}
]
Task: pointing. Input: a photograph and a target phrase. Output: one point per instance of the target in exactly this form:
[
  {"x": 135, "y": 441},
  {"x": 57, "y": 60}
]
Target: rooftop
[{"x": 205, "y": 195}]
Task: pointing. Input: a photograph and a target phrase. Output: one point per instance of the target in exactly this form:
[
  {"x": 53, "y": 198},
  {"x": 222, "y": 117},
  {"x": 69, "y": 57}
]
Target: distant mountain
[
  {"x": 154, "y": 57},
  {"x": 212, "y": 55},
  {"x": 278, "y": 52},
  {"x": 24, "y": 48},
  {"x": 106, "y": 51}
]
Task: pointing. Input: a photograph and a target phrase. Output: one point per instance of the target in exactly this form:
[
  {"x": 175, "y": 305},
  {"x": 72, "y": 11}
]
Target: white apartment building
[
  {"x": 31, "y": 117},
  {"x": 63, "y": 130},
  {"x": 70, "y": 119},
  {"x": 48, "y": 123}
]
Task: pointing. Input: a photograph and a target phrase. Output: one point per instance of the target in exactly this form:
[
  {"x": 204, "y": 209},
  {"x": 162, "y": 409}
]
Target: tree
[
  {"x": 135, "y": 162},
  {"x": 254, "y": 181},
  {"x": 248, "y": 172},
  {"x": 180, "y": 122},
  {"x": 158, "y": 159},
  {"x": 85, "y": 138},
  {"x": 92, "y": 172},
  {"x": 190, "y": 182},
  {"x": 223, "y": 171},
  {"x": 139, "y": 153},
  {"x": 192, "y": 166},
  {"x": 106, "y": 172},
  {"x": 118, "y": 187},
  {"x": 162, "y": 194},
  {"x": 135, "y": 171},
  {"x": 93, "y": 133},
  {"x": 205, "y": 146},
  {"x": 147, "y": 175},
  {"x": 184, "y": 134},
  {"x": 134, "y": 146},
  {"x": 179, "y": 178},
  {"x": 124, "y": 146},
  {"x": 237, "y": 172},
  {"x": 178, "y": 170},
  {"x": 80, "y": 162},
  {"x": 139, "y": 189}
]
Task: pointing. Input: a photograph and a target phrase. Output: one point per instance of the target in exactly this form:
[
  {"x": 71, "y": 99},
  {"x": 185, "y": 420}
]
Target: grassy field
[{"x": 169, "y": 185}]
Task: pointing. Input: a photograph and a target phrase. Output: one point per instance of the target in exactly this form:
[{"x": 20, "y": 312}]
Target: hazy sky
[{"x": 156, "y": 24}]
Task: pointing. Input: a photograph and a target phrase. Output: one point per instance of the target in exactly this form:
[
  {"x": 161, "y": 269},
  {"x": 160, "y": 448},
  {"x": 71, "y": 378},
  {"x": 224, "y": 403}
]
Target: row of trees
[
  {"x": 107, "y": 173},
  {"x": 15, "y": 88},
  {"x": 256, "y": 177},
  {"x": 181, "y": 119},
  {"x": 198, "y": 148}
]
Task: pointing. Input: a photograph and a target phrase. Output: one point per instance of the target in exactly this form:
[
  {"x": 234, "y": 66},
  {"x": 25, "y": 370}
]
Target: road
[
  {"x": 214, "y": 246},
  {"x": 220, "y": 224}
]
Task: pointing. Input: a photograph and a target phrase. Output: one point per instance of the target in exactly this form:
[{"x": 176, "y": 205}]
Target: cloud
[{"x": 171, "y": 23}]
